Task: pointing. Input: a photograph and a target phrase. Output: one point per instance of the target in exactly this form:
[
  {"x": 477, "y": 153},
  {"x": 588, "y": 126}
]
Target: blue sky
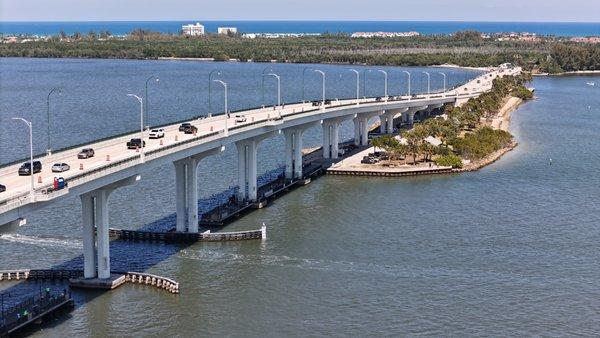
[{"x": 400, "y": 10}]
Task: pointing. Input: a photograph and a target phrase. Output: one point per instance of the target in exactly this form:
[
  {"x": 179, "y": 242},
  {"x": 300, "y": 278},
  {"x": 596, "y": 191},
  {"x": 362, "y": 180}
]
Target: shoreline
[{"x": 572, "y": 73}]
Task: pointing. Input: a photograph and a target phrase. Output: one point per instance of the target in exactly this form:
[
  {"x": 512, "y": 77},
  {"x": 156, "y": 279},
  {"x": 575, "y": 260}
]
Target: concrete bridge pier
[
  {"x": 410, "y": 113},
  {"x": 387, "y": 119},
  {"x": 247, "y": 166},
  {"x": 186, "y": 190},
  {"x": 361, "y": 127},
  {"x": 96, "y": 249},
  {"x": 431, "y": 108},
  {"x": 293, "y": 150},
  {"x": 331, "y": 136}
]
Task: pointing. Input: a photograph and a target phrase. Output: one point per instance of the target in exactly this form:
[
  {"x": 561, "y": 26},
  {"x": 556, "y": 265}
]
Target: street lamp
[
  {"x": 303, "y": 76},
  {"x": 262, "y": 85},
  {"x": 209, "y": 90},
  {"x": 357, "y": 82},
  {"x": 323, "y": 75},
  {"x": 365, "y": 81},
  {"x": 428, "y": 82},
  {"x": 278, "y": 87},
  {"x": 29, "y": 124},
  {"x": 141, "y": 125},
  {"x": 226, "y": 110},
  {"x": 59, "y": 92},
  {"x": 408, "y": 74},
  {"x": 444, "y": 75},
  {"x": 385, "y": 77},
  {"x": 146, "y": 97}
]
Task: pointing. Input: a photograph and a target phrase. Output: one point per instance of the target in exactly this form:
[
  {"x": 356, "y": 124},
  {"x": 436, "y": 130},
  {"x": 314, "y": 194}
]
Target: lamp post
[
  {"x": 226, "y": 110},
  {"x": 408, "y": 74},
  {"x": 209, "y": 90},
  {"x": 146, "y": 95},
  {"x": 428, "y": 83},
  {"x": 30, "y": 125},
  {"x": 262, "y": 85},
  {"x": 323, "y": 75},
  {"x": 385, "y": 77},
  {"x": 59, "y": 92},
  {"x": 303, "y": 76},
  {"x": 444, "y": 75},
  {"x": 365, "y": 81},
  {"x": 278, "y": 87},
  {"x": 142, "y": 159},
  {"x": 357, "y": 82}
]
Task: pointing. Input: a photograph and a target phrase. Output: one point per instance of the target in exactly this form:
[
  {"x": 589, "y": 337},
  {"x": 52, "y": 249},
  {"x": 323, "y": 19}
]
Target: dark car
[
  {"x": 25, "y": 169},
  {"x": 135, "y": 143},
  {"x": 2, "y": 188},
  {"x": 327, "y": 101},
  {"x": 316, "y": 103},
  {"x": 189, "y": 129},
  {"x": 183, "y": 126},
  {"x": 85, "y": 153}
]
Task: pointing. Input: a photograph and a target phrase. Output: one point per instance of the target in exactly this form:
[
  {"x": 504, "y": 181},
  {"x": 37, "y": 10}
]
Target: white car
[
  {"x": 60, "y": 167},
  {"x": 240, "y": 118},
  {"x": 157, "y": 133}
]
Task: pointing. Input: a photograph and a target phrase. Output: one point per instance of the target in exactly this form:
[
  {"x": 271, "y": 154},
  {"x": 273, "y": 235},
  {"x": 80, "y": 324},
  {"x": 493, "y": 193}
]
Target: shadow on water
[{"x": 124, "y": 256}]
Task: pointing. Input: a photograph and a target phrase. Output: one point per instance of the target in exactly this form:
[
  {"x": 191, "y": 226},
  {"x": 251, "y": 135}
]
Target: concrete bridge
[{"x": 114, "y": 166}]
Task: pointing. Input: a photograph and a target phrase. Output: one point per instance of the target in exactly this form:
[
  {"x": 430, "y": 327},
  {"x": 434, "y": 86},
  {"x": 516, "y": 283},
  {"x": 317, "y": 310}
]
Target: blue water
[{"x": 423, "y": 27}]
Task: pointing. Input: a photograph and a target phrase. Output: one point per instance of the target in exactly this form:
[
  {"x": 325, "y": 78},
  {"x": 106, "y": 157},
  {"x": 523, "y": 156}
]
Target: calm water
[
  {"x": 423, "y": 27},
  {"x": 508, "y": 250}
]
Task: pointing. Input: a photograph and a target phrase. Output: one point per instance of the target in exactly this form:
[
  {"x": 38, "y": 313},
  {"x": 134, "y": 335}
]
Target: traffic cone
[
  {"x": 161, "y": 142},
  {"x": 176, "y": 138},
  {"x": 137, "y": 149},
  {"x": 107, "y": 158},
  {"x": 211, "y": 128},
  {"x": 39, "y": 179},
  {"x": 80, "y": 166}
]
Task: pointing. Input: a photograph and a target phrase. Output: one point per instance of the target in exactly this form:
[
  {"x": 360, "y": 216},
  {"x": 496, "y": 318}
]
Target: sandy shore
[{"x": 502, "y": 120}]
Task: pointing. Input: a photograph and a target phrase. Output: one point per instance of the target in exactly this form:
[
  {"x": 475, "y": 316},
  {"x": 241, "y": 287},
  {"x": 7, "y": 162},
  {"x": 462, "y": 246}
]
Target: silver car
[{"x": 60, "y": 167}]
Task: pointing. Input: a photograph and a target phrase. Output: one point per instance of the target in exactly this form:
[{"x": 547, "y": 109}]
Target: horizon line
[{"x": 299, "y": 20}]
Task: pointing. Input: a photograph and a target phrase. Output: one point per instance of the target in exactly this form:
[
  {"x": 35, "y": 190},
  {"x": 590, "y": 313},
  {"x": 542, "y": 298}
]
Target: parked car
[
  {"x": 25, "y": 169},
  {"x": 240, "y": 118},
  {"x": 2, "y": 188},
  {"x": 184, "y": 125},
  {"x": 368, "y": 160},
  {"x": 85, "y": 153},
  {"x": 135, "y": 143},
  {"x": 189, "y": 129},
  {"x": 60, "y": 167},
  {"x": 157, "y": 133}
]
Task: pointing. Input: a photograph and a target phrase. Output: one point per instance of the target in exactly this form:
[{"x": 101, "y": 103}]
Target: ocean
[{"x": 423, "y": 27}]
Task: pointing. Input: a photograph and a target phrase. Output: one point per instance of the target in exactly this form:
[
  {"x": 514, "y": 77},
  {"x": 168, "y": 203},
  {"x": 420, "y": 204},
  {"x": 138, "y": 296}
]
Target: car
[
  {"x": 85, "y": 153},
  {"x": 157, "y": 133},
  {"x": 2, "y": 188},
  {"x": 190, "y": 129},
  {"x": 316, "y": 103},
  {"x": 184, "y": 125},
  {"x": 240, "y": 118},
  {"x": 24, "y": 170},
  {"x": 136, "y": 143},
  {"x": 327, "y": 101},
  {"x": 60, "y": 167}
]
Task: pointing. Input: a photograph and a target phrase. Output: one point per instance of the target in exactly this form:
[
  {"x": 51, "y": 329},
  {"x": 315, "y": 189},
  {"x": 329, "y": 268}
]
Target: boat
[{"x": 591, "y": 84}]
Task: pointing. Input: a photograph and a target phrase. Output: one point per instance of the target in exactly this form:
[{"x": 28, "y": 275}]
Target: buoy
[
  {"x": 39, "y": 179},
  {"x": 550, "y": 161},
  {"x": 107, "y": 158},
  {"x": 80, "y": 166}
]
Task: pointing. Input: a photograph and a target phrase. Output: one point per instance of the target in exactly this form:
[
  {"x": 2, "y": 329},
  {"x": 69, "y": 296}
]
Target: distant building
[
  {"x": 193, "y": 29},
  {"x": 589, "y": 39},
  {"x": 384, "y": 34},
  {"x": 227, "y": 30}
]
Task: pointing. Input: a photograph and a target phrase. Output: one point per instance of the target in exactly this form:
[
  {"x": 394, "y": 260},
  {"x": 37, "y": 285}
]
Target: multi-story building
[
  {"x": 193, "y": 29},
  {"x": 227, "y": 30}
]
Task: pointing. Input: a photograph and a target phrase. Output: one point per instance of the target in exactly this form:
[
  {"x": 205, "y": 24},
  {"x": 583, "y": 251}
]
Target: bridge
[{"x": 115, "y": 166}]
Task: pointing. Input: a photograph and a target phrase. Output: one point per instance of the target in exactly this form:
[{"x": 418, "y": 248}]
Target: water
[
  {"x": 423, "y": 27},
  {"x": 508, "y": 250}
]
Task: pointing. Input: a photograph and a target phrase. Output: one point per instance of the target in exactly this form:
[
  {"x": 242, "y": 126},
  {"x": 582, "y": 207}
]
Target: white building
[
  {"x": 193, "y": 29},
  {"x": 227, "y": 30}
]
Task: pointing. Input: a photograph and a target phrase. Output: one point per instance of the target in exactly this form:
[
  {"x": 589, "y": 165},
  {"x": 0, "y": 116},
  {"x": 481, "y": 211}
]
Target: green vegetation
[
  {"x": 449, "y": 160},
  {"x": 461, "y": 132},
  {"x": 463, "y": 48}
]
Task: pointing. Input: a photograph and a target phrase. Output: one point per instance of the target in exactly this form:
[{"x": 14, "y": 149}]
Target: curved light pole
[
  {"x": 303, "y": 76},
  {"x": 365, "y": 81},
  {"x": 209, "y": 90},
  {"x": 278, "y": 87},
  {"x": 323, "y": 75},
  {"x": 224, "y": 84},
  {"x": 142, "y": 159},
  {"x": 146, "y": 96},
  {"x": 408, "y": 73},
  {"x": 428, "y": 83},
  {"x": 262, "y": 85},
  {"x": 385, "y": 77},
  {"x": 444, "y": 75},
  {"x": 357, "y": 83},
  {"x": 30, "y": 125},
  {"x": 59, "y": 92}
]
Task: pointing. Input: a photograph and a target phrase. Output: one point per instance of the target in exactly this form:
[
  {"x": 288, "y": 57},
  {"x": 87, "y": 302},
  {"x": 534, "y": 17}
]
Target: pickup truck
[{"x": 135, "y": 143}]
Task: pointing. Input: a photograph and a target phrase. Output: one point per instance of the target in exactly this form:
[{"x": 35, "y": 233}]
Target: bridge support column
[
  {"x": 293, "y": 153},
  {"x": 331, "y": 139},
  {"x": 361, "y": 130},
  {"x": 95, "y": 213},
  {"x": 411, "y": 113},
  {"x": 387, "y": 120},
  {"x": 247, "y": 166},
  {"x": 186, "y": 190}
]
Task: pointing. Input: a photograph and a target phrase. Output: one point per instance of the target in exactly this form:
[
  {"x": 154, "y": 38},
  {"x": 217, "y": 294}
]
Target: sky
[{"x": 364, "y": 10}]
